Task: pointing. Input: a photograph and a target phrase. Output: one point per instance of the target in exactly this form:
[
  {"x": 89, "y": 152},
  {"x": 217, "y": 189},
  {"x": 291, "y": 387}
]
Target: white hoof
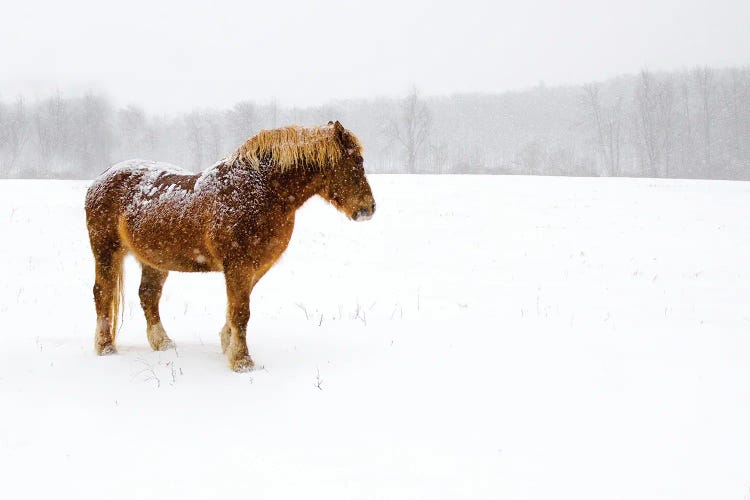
[
  {"x": 106, "y": 350},
  {"x": 158, "y": 339},
  {"x": 242, "y": 365},
  {"x": 164, "y": 344}
]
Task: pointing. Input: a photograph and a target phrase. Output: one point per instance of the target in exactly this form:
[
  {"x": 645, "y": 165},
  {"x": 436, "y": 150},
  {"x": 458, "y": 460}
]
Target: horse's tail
[{"x": 117, "y": 298}]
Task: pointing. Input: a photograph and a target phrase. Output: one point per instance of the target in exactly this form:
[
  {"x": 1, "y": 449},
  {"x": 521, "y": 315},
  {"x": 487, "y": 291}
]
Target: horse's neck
[
  {"x": 287, "y": 189},
  {"x": 295, "y": 186}
]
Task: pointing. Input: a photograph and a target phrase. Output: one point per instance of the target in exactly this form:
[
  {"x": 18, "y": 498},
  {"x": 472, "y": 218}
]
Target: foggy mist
[
  {"x": 430, "y": 87},
  {"x": 686, "y": 124}
]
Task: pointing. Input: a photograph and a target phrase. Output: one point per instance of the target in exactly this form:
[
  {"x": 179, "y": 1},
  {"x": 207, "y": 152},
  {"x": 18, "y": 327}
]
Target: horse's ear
[
  {"x": 330, "y": 122},
  {"x": 340, "y": 132}
]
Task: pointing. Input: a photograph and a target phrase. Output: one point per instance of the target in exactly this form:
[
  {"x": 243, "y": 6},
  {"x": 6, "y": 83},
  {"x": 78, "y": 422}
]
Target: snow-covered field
[{"x": 481, "y": 337}]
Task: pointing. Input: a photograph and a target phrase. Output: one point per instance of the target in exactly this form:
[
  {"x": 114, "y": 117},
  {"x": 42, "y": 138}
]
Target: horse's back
[
  {"x": 156, "y": 211},
  {"x": 127, "y": 182},
  {"x": 118, "y": 180}
]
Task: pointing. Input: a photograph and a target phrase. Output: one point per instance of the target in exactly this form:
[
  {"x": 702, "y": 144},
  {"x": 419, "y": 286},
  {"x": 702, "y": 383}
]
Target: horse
[{"x": 234, "y": 217}]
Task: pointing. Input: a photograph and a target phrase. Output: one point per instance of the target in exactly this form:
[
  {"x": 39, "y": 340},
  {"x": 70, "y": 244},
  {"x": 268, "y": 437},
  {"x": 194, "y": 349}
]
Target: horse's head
[{"x": 344, "y": 183}]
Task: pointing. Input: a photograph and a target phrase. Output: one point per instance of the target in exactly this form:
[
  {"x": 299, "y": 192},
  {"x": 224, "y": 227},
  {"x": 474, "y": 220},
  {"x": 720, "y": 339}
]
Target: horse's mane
[{"x": 293, "y": 147}]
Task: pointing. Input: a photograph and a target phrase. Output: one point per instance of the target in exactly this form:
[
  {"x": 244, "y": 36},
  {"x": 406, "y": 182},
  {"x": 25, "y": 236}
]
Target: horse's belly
[{"x": 168, "y": 244}]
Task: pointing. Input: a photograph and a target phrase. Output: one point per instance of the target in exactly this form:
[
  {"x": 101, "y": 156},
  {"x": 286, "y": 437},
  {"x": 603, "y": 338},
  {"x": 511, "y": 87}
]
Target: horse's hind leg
[
  {"x": 152, "y": 282},
  {"x": 107, "y": 283}
]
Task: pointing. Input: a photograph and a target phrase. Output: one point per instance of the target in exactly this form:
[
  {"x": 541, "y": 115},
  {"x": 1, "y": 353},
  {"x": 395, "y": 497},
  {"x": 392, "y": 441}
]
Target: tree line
[{"x": 687, "y": 124}]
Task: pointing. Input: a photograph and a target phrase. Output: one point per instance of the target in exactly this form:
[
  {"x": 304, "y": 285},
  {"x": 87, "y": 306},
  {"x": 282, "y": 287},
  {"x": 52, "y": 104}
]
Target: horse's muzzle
[{"x": 364, "y": 213}]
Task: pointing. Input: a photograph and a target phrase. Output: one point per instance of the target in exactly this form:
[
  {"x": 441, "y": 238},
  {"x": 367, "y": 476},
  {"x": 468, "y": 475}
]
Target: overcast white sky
[{"x": 175, "y": 56}]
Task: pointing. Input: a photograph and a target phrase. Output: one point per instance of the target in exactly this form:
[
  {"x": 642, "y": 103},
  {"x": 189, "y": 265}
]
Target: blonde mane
[{"x": 293, "y": 147}]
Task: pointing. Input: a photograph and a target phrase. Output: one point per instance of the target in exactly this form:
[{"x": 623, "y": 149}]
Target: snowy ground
[{"x": 481, "y": 337}]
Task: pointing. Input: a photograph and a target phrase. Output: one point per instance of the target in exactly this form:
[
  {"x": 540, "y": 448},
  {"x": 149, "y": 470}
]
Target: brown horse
[{"x": 235, "y": 217}]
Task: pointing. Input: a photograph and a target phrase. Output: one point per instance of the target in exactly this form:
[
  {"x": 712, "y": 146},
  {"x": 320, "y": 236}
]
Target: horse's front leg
[{"x": 239, "y": 284}]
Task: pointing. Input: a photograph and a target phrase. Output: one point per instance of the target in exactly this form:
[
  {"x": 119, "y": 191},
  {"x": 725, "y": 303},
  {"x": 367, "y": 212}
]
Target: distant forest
[{"x": 685, "y": 124}]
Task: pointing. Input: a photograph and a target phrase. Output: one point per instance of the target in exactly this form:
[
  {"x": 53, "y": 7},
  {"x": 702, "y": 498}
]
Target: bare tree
[
  {"x": 242, "y": 121},
  {"x": 704, "y": 82},
  {"x": 737, "y": 94},
  {"x": 607, "y": 122},
  {"x": 439, "y": 157},
  {"x": 194, "y": 137},
  {"x": 14, "y": 132},
  {"x": 132, "y": 130},
  {"x": 411, "y": 128},
  {"x": 614, "y": 135},
  {"x": 50, "y": 129},
  {"x": 214, "y": 137},
  {"x": 686, "y": 143},
  {"x": 94, "y": 144},
  {"x": 665, "y": 123},
  {"x": 646, "y": 122},
  {"x": 591, "y": 100},
  {"x": 531, "y": 158},
  {"x": 273, "y": 113}
]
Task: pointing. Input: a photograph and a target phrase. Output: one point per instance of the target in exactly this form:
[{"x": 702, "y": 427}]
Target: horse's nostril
[
  {"x": 362, "y": 214},
  {"x": 373, "y": 207}
]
